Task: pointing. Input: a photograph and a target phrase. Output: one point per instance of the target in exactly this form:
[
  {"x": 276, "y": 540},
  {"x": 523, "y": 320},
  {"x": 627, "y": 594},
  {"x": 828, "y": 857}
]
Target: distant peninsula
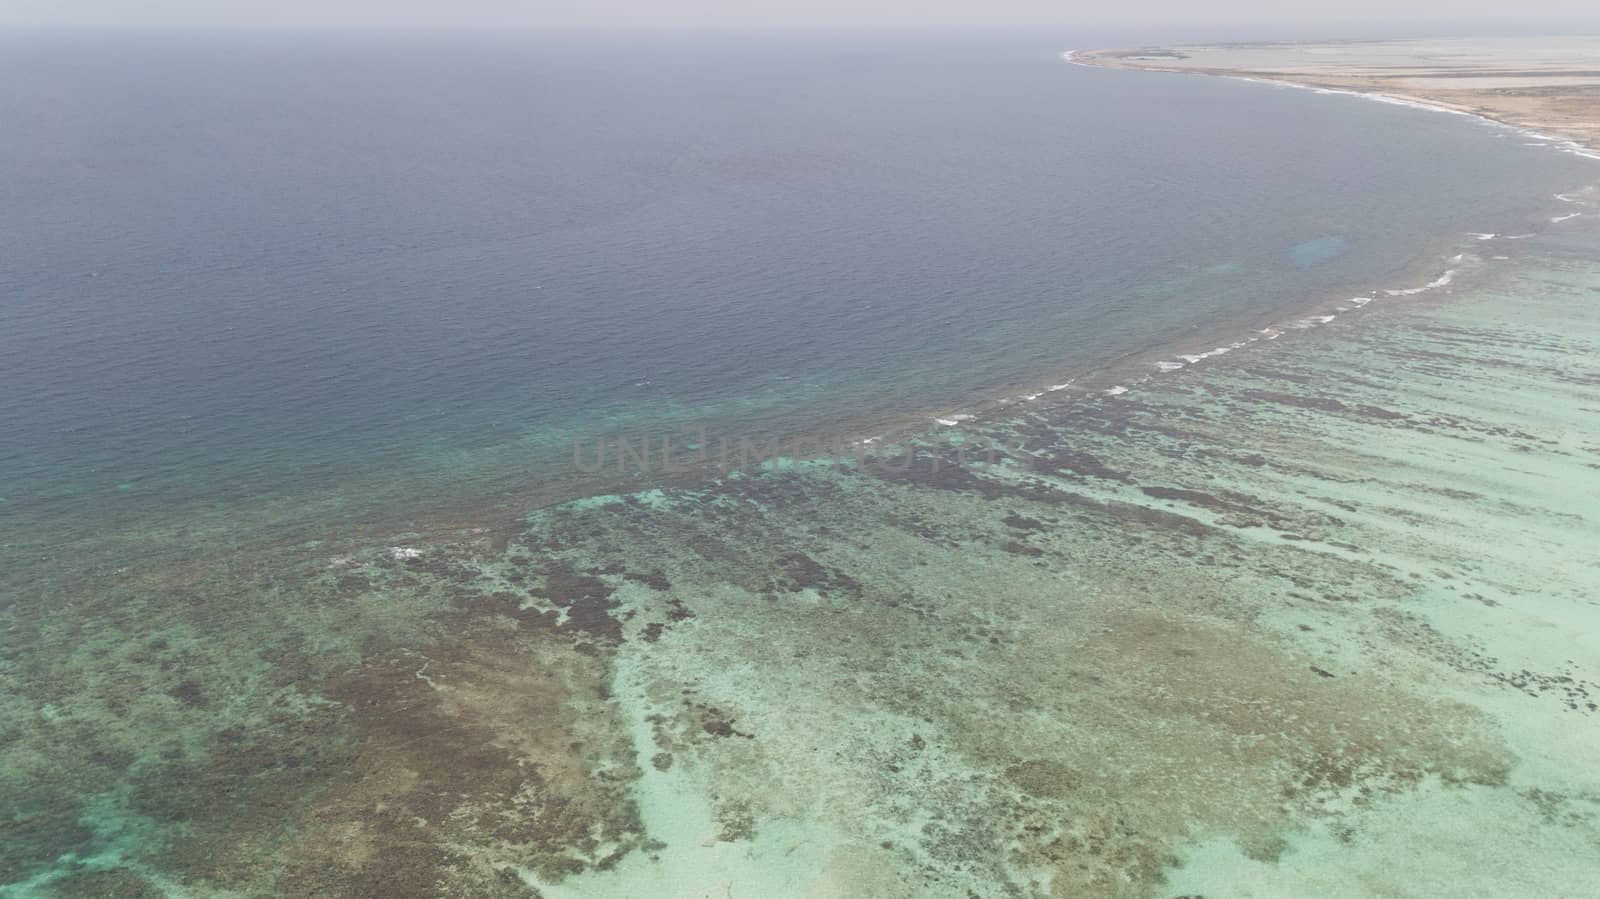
[{"x": 1548, "y": 85}]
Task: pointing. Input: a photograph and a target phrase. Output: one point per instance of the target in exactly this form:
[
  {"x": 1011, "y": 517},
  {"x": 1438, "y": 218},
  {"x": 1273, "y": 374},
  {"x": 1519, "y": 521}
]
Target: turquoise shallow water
[{"x": 1314, "y": 616}]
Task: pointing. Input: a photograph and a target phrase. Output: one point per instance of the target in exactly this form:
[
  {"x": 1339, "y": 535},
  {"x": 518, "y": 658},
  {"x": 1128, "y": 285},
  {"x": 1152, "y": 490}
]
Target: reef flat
[
  {"x": 1544, "y": 84},
  {"x": 1318, "y": 616}
]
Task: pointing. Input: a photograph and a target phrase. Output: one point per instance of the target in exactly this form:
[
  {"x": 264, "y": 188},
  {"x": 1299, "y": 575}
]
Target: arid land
[{"x": 1550, "y": 85}]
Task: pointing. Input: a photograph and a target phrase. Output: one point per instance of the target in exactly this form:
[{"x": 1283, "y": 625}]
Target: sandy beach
[{"x": 1547, "y": 85}]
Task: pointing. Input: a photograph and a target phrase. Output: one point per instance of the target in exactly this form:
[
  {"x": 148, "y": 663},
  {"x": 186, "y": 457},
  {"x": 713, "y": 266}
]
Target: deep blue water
[{"x": 236, "y": 267}]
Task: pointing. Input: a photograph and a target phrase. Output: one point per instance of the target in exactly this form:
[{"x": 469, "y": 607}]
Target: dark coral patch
[
  {"x": 798, "y": 571},
  {"x": 586, "y": 599},
  {"x": 1023, "y": 523}
]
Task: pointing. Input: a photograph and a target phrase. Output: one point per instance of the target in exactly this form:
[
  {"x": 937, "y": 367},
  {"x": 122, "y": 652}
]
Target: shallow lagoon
[{"x": 1315, "y": 617}]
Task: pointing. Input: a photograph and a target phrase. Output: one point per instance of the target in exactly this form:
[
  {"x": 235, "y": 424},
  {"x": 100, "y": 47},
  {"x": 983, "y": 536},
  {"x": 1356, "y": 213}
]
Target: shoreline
[
  {"x": 1242, "y": 489},
  {"x": 495, "y": 513},
  {"x": 1356, "y": 83},
  {"x": 496, "y": 510},
  {"x": 502, "y": 507},
  {"x": 504, "y": 500},
  {"x": 1276, "y": 624}
]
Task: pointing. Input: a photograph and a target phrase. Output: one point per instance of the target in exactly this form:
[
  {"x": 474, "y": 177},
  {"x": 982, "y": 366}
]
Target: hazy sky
[{"x": 702, "y": 13}]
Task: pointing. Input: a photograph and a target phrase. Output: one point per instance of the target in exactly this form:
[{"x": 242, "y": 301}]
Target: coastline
[
  {"x": 295, "y": 526},
  {"x": 1291, "y": 620},
  {"x": 1203, "y": 341},
  {"x": 1282, "y": 615},
  {"x": 1580, "y": 135},
  {"x": 288, "y": 528},
  {"x": 284, "y": 526}
]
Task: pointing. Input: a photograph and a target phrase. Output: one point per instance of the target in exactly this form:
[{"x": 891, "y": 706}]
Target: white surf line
[
  {"x": 1559, "y": 144},
  {"x": 1441, "y": 281},
  {"x": 1554, "y": 142},
  {"x": 1307, "y": 322},
  {"x": 1073, "y": 57},
  {"x": 957, "y": 419},
  {"x": 1304, "y": 323},
  {"x": 1391, "y": 99},
  {"x": 1300, "y": 324},
  {"x": 1019, "y": 398},
  {"x": 1551, "y": 141},
  {"x": 1219, "y": 351},
  {"x": 1576, "y": 198},
  {"x": 1311, "y": 321}
]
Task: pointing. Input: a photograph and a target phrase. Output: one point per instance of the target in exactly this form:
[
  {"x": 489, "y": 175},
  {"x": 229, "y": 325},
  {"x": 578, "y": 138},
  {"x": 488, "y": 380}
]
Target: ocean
[
  {"x": 245, "y": 268},
  {"x": 308, "y": 593}
]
